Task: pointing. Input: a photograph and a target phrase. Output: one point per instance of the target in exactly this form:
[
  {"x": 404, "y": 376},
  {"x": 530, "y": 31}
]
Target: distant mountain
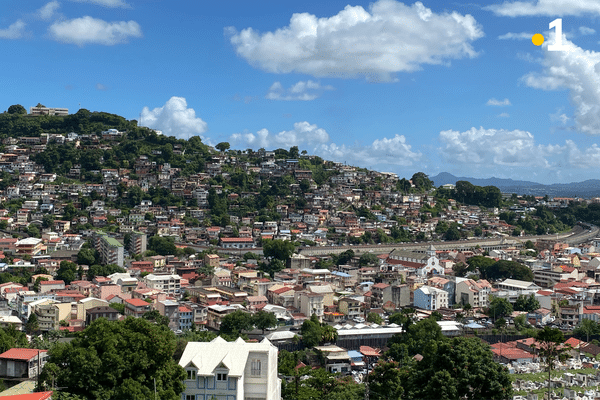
[{"x": 589, "y": 188}]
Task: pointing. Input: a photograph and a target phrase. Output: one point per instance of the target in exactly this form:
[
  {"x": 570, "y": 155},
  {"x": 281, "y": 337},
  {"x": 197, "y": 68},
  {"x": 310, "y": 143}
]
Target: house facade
[{"x": 230, "y": 370}]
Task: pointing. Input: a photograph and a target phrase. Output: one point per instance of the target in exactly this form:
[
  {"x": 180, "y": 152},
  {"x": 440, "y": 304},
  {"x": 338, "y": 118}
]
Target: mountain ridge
[{"x": 587, "y": 188}]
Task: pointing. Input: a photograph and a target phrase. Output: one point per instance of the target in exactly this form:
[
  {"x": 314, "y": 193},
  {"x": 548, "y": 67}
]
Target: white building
[
  {"x": 430, "y": 298},
  {"x": 168, "y": 283},
  {"x": 231, "y": 370},
  {"x": 475, "y": 293}
]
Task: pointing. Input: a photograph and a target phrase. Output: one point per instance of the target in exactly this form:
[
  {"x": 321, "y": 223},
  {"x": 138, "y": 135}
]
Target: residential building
[
  {"x": 231, "y": 370},
  {"x": 136, "y": 307},
  {"x": 101, "y": 312},
  {"x": 168, "y": 283},
  {"x": 138, "y": 243},
  {"x": 475, "y": 293},
  {"x": 22, "y": 363},
  {"x": 110, "y": 249},
  {"x": 430, "y": 298}
]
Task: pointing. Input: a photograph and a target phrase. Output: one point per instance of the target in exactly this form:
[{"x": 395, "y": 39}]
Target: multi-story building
[
  {"x": 230, "y": 370},
  {"x": 110, "y": 249},
  {"x": 310, "y": 303},
  {"x": 138, "y": 243},
  {"x": 381, "y": 293},
  {"x": 168, "y": 283},
  {"x": 136, "y": 307},
  {"x": 474, "y": 293},
  {"x": 430, "y": 298},
  {"x": 48, "y": 111}
]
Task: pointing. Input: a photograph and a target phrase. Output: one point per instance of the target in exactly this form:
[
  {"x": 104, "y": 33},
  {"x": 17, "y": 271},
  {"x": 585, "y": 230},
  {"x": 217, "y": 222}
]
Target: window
[
  {"x": 191, "y": 374},
  {"x": 255, "y": 368},
  {"x": 222, "y": 377},
  {"x": 190, "y": 396}
]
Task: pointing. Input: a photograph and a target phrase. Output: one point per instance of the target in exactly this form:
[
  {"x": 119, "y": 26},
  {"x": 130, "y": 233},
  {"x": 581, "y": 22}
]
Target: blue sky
[{"x": 403, "y": 87}]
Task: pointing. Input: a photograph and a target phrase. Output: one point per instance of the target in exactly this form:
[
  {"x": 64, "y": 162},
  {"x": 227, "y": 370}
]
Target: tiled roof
[
  {"x": 31, "y": 396},
  {"x": 21, "y": 354}
]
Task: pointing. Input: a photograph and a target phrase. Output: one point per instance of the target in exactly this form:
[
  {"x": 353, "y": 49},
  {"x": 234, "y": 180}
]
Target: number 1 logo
[{"x": 558, "y": 45}]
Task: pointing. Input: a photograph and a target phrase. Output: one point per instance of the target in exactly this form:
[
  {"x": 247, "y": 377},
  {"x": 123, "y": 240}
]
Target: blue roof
[
  {"x": 354, "y": 354},
  {"x": 342, "y": 274}
]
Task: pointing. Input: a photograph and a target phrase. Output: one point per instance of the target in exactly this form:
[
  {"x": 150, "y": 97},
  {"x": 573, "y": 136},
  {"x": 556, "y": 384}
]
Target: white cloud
[
  {"x": 48, "y": 10},
  {"x": 485, "y": 150},
  {"x": 100, "y": 86},
  {"x": 584, "y": 30},
  {"x": 392, "y": 151},
  {"x": 86, "y": 30},
  {"x": 14, "y": 31},
  {"x": 302, "y": 134},
  {"x": 577, "y": 70},
  {"x": 174, "y": 119},
  {"x": 303, "y": 90},
  {"x": 390, "y": 37},
  {"x": 492, "y": 146},
  {"x": 557, "y": 8},
  {"x": 562, "y": 118},
  {"x": 516, "y": 36},
  {"x": 504, "y": 115},
  {"x": 106, "y": 3},
  {"x": 495, "y": 102}
]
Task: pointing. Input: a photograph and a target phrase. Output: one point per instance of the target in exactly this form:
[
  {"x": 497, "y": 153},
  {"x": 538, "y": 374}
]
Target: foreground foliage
[{"x": 117, "y": 360}]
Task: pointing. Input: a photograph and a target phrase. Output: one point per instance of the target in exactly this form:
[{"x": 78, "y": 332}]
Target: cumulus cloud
[
  {"x": 88, "y": 30},
  {"x": 517, "y": 150},
  {"x": 577, "y": 70},
  {"x": 504, "y": 115},
  {"x": 106, "y": 3},
  {"x": 303, "y": 90},
  {"x": 48, "y": 10},
  {"x": 14, "y": 31},
  {"x": 495, "y": 102},
  {"x": 385, "y": 151},
  {"x": 584, "y": 30},
  {"x": 546, "y": 8},
  {"x": 302, "y": 134},
  {"x": 493, "y": 146},
  {"x": 174, "y": 119},
  {"x": 516, "y": 36},
  {"x": 560, "y": 117},
  {"x": 390, "y": 37}
]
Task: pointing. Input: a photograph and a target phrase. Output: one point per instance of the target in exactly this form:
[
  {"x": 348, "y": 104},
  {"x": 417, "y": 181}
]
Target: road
[{"x": 576, "y": 236}]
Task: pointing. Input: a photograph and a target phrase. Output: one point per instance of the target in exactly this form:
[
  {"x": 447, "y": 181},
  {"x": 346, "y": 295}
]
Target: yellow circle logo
[{"x": 537, "y": 39}]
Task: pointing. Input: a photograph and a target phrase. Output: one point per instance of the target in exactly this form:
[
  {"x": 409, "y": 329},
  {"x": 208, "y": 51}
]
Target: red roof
[
  {"x": 236, "y": 240},
  {"x": 573, "y": 342},
  {"x": 136, "y": 302},
  {"x": 30, "y": 396},
  {"x": 52, "y": 282},
  {"x": 184, "y": 309},
  {"x": 21, "y": 354}
]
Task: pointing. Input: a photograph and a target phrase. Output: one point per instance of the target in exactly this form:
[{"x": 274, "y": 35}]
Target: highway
[{"x": 576, "y": 236}]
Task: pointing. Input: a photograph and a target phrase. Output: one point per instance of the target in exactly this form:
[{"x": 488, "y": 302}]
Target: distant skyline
[{"x": 430, "y": 86}]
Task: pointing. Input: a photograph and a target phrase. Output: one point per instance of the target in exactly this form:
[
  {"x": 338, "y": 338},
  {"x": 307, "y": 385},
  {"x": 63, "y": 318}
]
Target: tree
[
  {"x": 17, "y": 109},
  {"x": 278, "y": 249},
  {"x": 459, "y": 368},
  {"x": 528, "y": 303},
  {"x": 311, "y": 331},
  {"x": 263, "y": 320},
  {"x": 222, "y": 146},
  {"x": 156, "y": 317},
  {"x": 119, "y": 359},
  {"x": 374, "y": 318},
  {"x": 586, "y": 328},
  {"x": 67, "y": 272},
  {"x": 32, "y": 324},
  {"x": 549, "y": 344},
  {"x": 385, "y": 381},
  {"x": 421, "y": 181},
  {"x": 236, "y": 322},
  {"x": 368, "y": 259},
  {"x": 499, "y": 308},
  {"x": 86, "y": 256}
]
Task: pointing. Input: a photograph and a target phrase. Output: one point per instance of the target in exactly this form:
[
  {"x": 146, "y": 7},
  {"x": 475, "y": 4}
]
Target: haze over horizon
[{"x": 394, "y": 86}]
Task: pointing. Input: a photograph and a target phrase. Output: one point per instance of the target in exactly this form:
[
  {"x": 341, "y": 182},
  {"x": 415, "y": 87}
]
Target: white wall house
[{"x": 230, "y": 370}]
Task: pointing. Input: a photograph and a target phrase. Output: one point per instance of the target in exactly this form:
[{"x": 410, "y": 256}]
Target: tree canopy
[
  {"x": 120, "y": 359},
  {"x": 278, "y": 249}
]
